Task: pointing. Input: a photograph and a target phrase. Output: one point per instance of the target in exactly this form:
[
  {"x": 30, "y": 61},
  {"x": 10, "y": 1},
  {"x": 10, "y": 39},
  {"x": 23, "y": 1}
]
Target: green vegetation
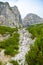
[
  {"x": 35, "y": 54},
  {"x": 14, "y": 62},
  {"x": 4, "y": 30},
  {"x": 36, "y": 30},
  {"x": 11, "y": 45},
  {"x": 0, "y": 63}
]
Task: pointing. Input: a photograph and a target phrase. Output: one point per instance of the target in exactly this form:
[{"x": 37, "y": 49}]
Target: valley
[{"x": 21, "y": 40}]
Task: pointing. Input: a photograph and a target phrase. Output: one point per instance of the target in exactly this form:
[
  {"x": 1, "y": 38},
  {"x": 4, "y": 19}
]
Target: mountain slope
[
  {"x": 31, "y": 19},
  {"x": 9, "y": 16}
]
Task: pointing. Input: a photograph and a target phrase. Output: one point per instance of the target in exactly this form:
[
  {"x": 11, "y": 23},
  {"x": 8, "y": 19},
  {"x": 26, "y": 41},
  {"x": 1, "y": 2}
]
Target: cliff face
[
  {"x": 31, "y": 19},
  {"x": 9, "y": 16}
]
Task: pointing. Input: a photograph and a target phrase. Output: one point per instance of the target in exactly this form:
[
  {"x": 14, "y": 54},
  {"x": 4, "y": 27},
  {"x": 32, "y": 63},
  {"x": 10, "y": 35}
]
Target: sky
[{"x": 27, "y": 6}]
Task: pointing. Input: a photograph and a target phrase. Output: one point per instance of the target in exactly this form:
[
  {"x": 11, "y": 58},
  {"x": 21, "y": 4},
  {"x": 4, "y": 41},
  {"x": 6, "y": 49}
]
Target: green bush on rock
[{"x": 14, "y": 62}]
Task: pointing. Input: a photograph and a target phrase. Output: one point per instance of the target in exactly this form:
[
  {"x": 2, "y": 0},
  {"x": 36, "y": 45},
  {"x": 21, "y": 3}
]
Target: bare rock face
[
  {"x": 9, "y": 16},
  {"x": 17, "y": 15},
  {"x": 31, "y": 19}
]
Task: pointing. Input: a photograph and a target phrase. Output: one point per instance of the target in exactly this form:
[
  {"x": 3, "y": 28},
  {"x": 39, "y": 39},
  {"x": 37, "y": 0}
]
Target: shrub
[{"x": 14, "y": 62}]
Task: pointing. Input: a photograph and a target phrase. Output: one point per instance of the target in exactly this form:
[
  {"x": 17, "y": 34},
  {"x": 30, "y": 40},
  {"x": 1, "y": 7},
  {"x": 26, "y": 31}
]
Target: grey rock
[
  {"x": 9, "y": 16},
  {"x": 31, "y": 19}
]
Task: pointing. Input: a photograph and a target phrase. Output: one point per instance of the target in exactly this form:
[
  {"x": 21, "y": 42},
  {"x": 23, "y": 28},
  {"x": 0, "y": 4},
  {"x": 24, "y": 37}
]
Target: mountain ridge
[
  {"x": 10, "y": 16},
  {"x": 31, "y": 19}
]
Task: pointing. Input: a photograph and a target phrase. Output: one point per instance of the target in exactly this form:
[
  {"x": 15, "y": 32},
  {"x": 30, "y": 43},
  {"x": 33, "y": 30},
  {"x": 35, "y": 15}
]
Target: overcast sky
[{"x": 27, "y": 6}]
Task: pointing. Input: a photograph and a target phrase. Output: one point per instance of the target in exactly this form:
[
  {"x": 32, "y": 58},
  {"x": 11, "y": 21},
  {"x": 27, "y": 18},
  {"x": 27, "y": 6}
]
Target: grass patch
[
  {"x": 35, "y": 54},
  {"x": 0, "y": 63},
  {"x": 36, "y": 30},
  {"x": 5, "y": 29},
  {"x": 11, "y": 45},
  {"x": 14, "y": 62}
]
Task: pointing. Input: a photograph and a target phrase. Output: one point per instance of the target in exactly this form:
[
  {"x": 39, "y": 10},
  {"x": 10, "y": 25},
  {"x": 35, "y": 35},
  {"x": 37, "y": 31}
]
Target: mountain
[
  {"x": 31, "y": 19},
  {"x": 9, "y": 16}
]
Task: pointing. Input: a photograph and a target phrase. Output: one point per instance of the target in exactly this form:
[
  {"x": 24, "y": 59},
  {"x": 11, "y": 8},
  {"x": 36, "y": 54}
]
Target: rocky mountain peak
[
  {"x": 3, "y": 4},
  {"x": 15, "y": 7},
  {"x": 15, "y": 10},
  {"x": 11, "y": 15},
  {"x": 31, "y": 19},
  {"x": 32, "y": 16}
]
